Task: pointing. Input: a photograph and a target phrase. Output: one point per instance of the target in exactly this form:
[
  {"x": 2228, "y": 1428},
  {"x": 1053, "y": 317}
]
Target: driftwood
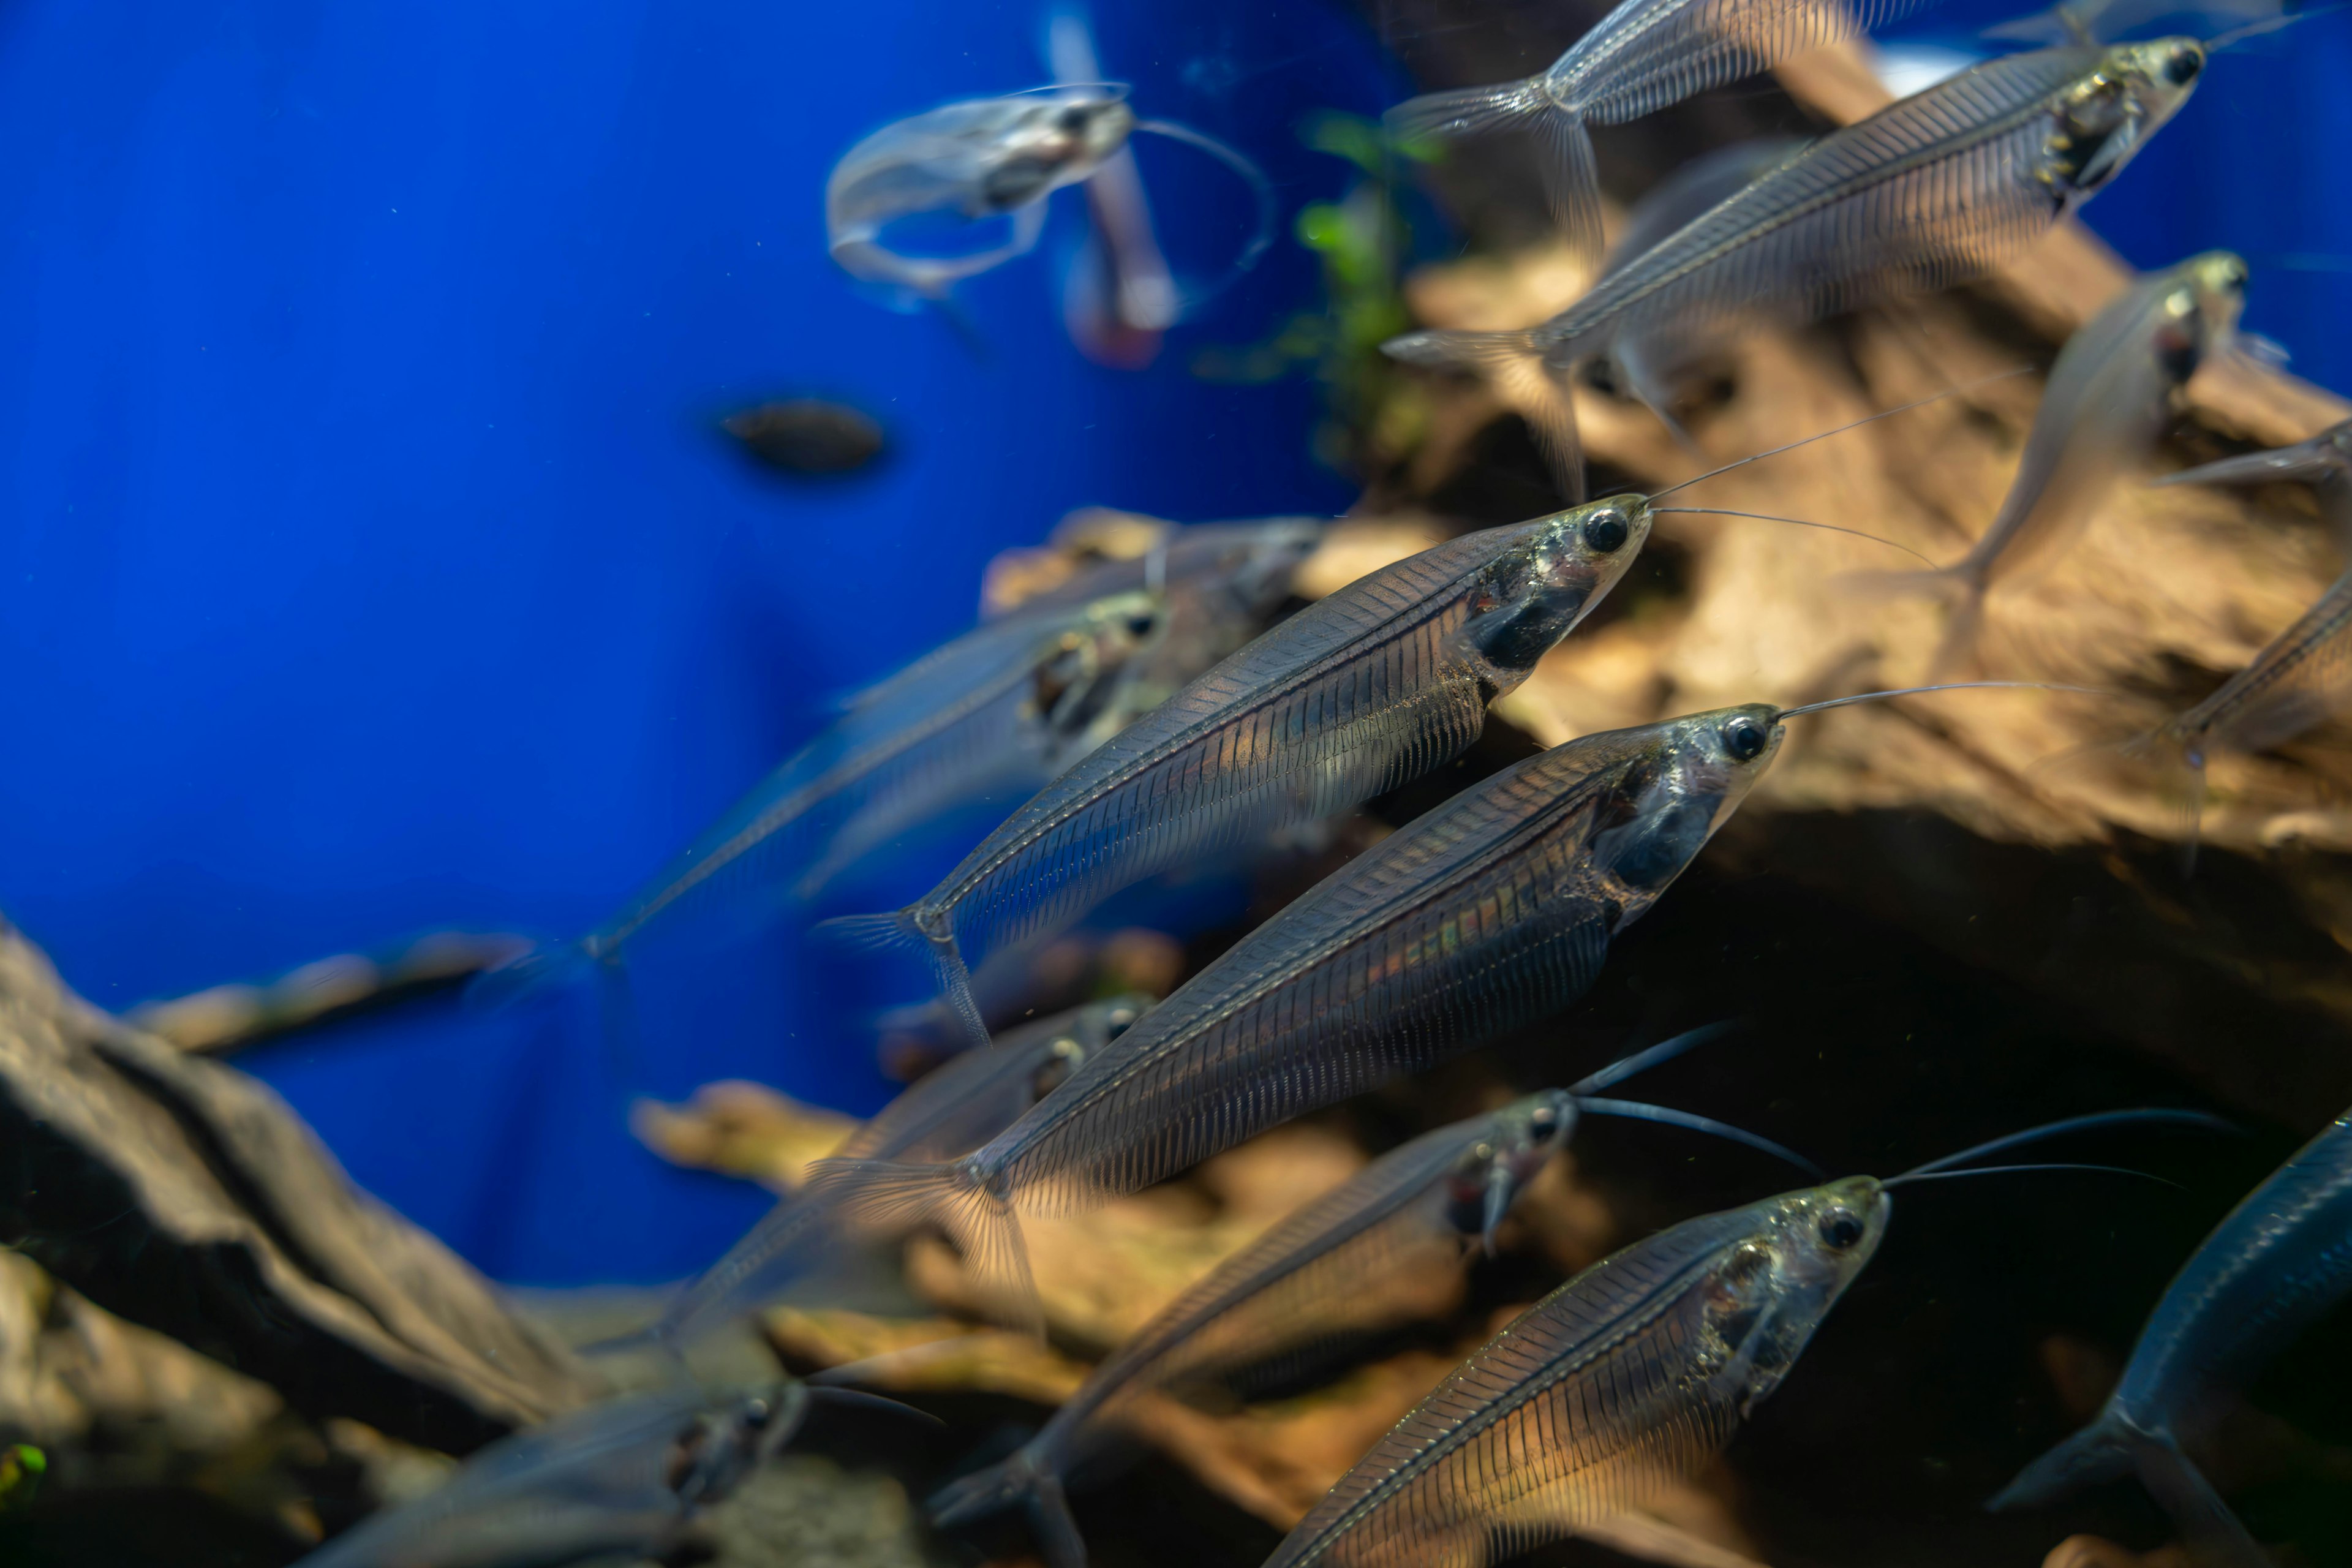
[{"x": 186, "y": 1196}]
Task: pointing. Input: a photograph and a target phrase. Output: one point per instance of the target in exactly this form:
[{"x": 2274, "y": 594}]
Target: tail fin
[
  {"x": 532, "y": 972},
  {"x": 2111, "y": 1446},
  {"x": 887, "y": 1199},
  {"x": 2180, "y": 768},
  {"x": 1521, "y": 370},
  {"x": 1019, "y": 1480},
  {"x": 1471, "y": 111},
  {"x": 908, "y": 930}
]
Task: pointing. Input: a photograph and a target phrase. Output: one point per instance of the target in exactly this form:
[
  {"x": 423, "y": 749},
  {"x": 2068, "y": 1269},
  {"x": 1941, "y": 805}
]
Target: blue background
[{"x": 369, "y": 564}]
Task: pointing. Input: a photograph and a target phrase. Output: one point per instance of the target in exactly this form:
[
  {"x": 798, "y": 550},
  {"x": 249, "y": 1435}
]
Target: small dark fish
[
  {"x": 2323, "y": 462},
  {"x": 1938, "y": 188},
  {"x": 807, "y": 435},
  {"x": 2108, "y": 402},
  {"x": 1326, "y": 1274},
  {"x": 620, "y": 1479},
  {"x": 1494, "y": 910},
  {"x": 1372, "y": 686},
  {"x": 951, "y": 1111},
  {"x": 2276, "y": 1266},
  {"x": 1643, "y": 57}
]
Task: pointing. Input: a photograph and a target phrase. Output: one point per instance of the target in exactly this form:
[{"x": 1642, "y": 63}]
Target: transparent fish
[
  {"x": 990, "y": 158},
  {"x": 1119, "y": 296},
  {"x": 952, "y": 1109},
  {"x": 620, "y": 1479},
  {"x": 1368, "y": 688},
  {"x": 1632, "y": 1374},
  {"x": 2108, "y": 400},
  {"x": 1494, "y": 910},
  {"x": 2275, "y": 1267},
  {"x": 1362, "y": 1259},
  {"x": 2323, "y": 462},
  {"x": 1641, "y": 58},
  {"x": 1940, "y": 187},
  {"x": 1010, "y": 702},
  {"x": 1635, "y": 368}
]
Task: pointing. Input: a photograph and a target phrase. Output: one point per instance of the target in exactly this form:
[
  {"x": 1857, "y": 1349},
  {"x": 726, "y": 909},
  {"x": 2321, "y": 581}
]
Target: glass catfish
[
  {"x": 1940, "y": 187},
  {"x": 1359, "y": 692},
  {"x": 622, "y": 1479},
  {"x": 2110, "y": 395},
  {"x": 998, "y": 712},
  {"x": 1380, "y": 1250},
  {"x": 1641, "y": 58},
  {"x": 1631, "y": 1375},
  {"x": 1494, "y": 910},
  {"x": 952, "y": 1109},
  {"x": 993, "y": 158},
  {"x": 2323, "y": 462},
  {"x": 2275, "y": 1267}
]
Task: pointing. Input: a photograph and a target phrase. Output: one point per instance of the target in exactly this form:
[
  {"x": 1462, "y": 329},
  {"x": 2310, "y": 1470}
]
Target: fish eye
[
  {"x": 1840, "y": 1228},
  {"x": 1141, "y": 625},
  {"x": 1606, "y": 532},
  {"x": 756, "y": 1414},
  {"x": 1744, "y": 738},
  {"x": 1483, "y": 1151},
  {"x": 1544, "y": 1116},
  {"x": 2182, "y": 67},
  {"x": 1073, "y": 119}
]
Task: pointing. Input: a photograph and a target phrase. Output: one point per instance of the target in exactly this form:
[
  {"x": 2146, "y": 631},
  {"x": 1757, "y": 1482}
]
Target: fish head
[
  {"x": 2198, "y": 310},
  {"x": 1769, "y": 1291},
  {"x": 1077, "y": 672},
  {"x": 1059, "y": 141},
  {"x": 1676, "y": 788},
  {"x": 1548, "y": 577},
  {"x": 724, "y": 1445},
  {"x": 1058, "y": 1058},
  {"x": 1509, "y": 1152},
  {"x": 1249, "y": 566},
  {"x": 2111, "y": 112}
]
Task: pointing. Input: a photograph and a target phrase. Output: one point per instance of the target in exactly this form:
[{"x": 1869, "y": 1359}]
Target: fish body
[
  {"x": 1635, "y": 368},
  {"x": 2280, "y": 1260},
  {"x": 1010, "y": 702},
  {"x": 1412, "y": 1215},
  {"x": 1493, "y": 910},
  {"x": 1120, "y": 296},
  {"x": 1641, "y": 58},
  {"x": 1942, "y": 186},
  {"x": 1631, "y": 1375},
  {"x": 2108, "y": 399},
  {"x": 1368, "y": 688},
  {"x": 951, "y": 1111},
  {"x": 985, "y": 158},
  {"x": 624, "y": 1478}
]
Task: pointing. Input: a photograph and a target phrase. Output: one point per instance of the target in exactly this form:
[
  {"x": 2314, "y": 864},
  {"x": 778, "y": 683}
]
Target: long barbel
[
  {"x": 1940, "y": 187},
  {"x": 1495, "y": 909},
  {"x": 1369, "y": 687}
]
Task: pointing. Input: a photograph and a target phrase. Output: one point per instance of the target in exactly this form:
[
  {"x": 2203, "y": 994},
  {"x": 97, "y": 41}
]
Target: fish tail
[
  {"x": 534, "y": 971},
  {"x": 2112, "y": 1446},
  {"x": 887, "y": 1199},
  {"x": 2099, "y": 1452},
  {"x": 913, "y": 930},
  {"x": 2171, "y": 752},
  {"x": 1519, "y": 367},
  {"x": 1022, "y": 1479},
  {"x": 1471, "y": 111}
]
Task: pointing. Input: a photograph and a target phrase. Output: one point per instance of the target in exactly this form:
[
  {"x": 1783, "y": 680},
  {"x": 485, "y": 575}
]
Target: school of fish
[{"x": 1170, "y": 707}]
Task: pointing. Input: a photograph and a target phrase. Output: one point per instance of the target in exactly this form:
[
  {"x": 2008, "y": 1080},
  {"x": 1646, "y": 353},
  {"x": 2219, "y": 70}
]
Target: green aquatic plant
[
  {"x": 22, "y": 1465},
  {"x": 1372, "y": 416}
]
